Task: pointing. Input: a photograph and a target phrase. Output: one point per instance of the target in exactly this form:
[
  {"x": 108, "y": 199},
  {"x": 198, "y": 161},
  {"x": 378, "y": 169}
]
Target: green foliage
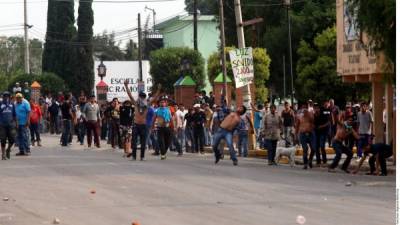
[
  {"x": 106, "y": 48},
  {"x": 261, "y": 69},
  {"x": 50, "y": 82},
  {"x": 83, "y": 76},
  {"x": 165, "y": 66},
  {"x": 59, "y": 50},
  {"x": 317, "y": 78}
]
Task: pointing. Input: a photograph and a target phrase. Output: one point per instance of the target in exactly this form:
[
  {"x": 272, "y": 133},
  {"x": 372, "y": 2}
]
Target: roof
[
  {"x": 102, "y": 84},
  {"x": 169, "y": 22},
  {"x": 35, "y": 84},
  {"x": 185, "y": 81},
  {"x": 220, "y": 79}
]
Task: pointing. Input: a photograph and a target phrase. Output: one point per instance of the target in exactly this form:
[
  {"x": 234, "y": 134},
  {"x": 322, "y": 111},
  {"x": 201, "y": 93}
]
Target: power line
[{"x": 94, "y": 1}]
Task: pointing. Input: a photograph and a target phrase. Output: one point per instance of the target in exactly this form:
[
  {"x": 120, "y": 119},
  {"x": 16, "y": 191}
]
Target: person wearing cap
[
  {"x": 139, "y": 127},
  {"x": 7, "y": 125},
  {"x": 162, "y": 120},
  {"x": 91, "y": 114},
  {"x": 17, "y": 88},
  {"x": 22, "y": 111},
  {"x": 225, "y": 131},
  {"x": 198, "y": 120},
  {"x": 126, "y": 116}
]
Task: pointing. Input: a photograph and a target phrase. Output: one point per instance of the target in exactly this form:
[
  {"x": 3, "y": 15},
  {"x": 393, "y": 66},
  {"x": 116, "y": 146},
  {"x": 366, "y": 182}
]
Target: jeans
[
  {"x": 307, "y": 138},
  {"x": 189, "y": 139},
  {"x": 259, "y": 138},
  {"x": 181, "y": 137},
  {"x": 81, "y": 132},
  {"x": 164, "y": 139},
  {"x": 270, "y": 145},
  {"x": 23, "y": 139},
  {"x": 383, "y": 155},
  {"x": 66, "y": 132},
  {"x": 176, "y": 143},
  {"x": 288, "y": 135},
  {"x": 198, "y": 135},
  {"x": 34, "y": 129},
  {"x": 207, "y": 136},
  {"x": 339, "y": 150},
  {"x": 54, "y": 128},
  {"x": 362, "y": 142},
  {"x": 320, "y": 146},
  {"x": 115, "y": 135},
  {"x": 228, "y": 136},
  {"x": 139, "y": 131},
  {"x": 243, "y": 143}
]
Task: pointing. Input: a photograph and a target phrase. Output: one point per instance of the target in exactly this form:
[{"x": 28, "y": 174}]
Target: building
[
  {"x": 178, "y": 32},
  {"x": 357, "y": 62}
]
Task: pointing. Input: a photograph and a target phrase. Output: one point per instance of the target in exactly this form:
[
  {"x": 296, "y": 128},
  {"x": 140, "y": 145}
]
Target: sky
[{"x": 107, "y": 16}]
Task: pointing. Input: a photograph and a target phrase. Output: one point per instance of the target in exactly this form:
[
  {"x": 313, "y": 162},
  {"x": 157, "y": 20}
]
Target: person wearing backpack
[{"x": 7, "y": 125}]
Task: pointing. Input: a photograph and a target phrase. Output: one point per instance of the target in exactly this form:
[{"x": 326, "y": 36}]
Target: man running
[
  {"x": 7, "y": 125},
  {"x": 305, "y": 132},
  {"x": 225, "y": 131}
]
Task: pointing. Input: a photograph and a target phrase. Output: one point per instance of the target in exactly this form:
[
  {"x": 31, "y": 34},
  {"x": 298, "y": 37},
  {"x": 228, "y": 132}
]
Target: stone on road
[{"x": 56, "y": 183}]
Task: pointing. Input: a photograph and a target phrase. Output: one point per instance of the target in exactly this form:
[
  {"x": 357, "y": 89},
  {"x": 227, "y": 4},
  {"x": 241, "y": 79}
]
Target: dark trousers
[
  {"x": 383, "y": 155},
  {"x": 115, "y": 135},
  {"x": 92, "y": 128},
  {"x": 189, "y": 139},
  {"x": 139, "y": 131},
  {"x": 198, "y": 135},
  {"x": 35, "y": 135},
  {"x": 66, "y": 132},
  {"x": 176, "y": 143},
  {"x": 320, "y": 138},
  {"x": 54, "y": 125},
  {"x": 104, "y": 129},
  {"x": 81, "y": 132},
  {"x": 339, "y": 150},
  {"x": 307, "y": 138},
  {"x": 270, "y": 145},
  {"x": 164, "y": 139}
]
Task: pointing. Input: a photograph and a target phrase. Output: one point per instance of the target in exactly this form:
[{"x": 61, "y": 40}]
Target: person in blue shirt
[
  {"x": 22, "y": 111},
  {"x": 7, "y": 125},
  {"x": 258, "y": 115}
]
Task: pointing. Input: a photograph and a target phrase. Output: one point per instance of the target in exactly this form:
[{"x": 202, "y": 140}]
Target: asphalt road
[{"x": 57, "y": 182}]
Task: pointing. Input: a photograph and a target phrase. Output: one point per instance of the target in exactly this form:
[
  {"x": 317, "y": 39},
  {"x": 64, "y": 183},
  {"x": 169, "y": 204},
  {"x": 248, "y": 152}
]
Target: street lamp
[
  {"x": 185, "y": 66},
  {"x": 101, "y": 70}
]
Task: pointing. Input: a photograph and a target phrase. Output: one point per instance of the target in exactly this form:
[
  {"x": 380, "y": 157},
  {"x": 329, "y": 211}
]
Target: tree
[
  {"x": 206, "y": 7},
  {"x": 50, "y": 82},
  {"x": 261, "y": 69},
  {"x": 317, "y": 77},
  {"x": 83, "y": 78},
  {"x": 106, "y": 48},
  {"x": 377, "y": 18},
  {"x": 165, "y": 66},
  {"x": 58, "y": 55},
  {"x": 132, "y": 51}
]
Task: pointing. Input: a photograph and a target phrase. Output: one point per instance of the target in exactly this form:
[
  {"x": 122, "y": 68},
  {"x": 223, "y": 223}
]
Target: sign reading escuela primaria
[
  {"x": 118, "y": 72},
  {"x": 242, "y": 66}
]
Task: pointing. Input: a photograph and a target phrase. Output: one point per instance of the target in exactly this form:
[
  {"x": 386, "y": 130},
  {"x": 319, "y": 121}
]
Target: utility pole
[
  {"x": 26, "y": 26},
  {"x": 246, "y": 92},
  {"x": 223, "y": 55},
  {"x": 288, "y": 3},
  {"x": 241, "y": 44},
  {"x": 140, "y": 48},
  {"x": 195, "y": 25},
  {"x": 284, "y": 77},
  {"x": 154, "y": 17}
]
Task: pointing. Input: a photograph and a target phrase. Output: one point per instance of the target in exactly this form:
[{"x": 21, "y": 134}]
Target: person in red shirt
[{"x": 35, "y": 117}]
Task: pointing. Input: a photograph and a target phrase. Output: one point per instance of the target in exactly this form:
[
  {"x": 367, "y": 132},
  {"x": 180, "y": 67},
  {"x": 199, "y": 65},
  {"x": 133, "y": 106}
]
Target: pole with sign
[{"x": 242, "y": 66}]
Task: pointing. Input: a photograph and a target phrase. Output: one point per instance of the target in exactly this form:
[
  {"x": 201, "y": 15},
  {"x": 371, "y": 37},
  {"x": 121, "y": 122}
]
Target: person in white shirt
[{"x": 180, "y": 124}]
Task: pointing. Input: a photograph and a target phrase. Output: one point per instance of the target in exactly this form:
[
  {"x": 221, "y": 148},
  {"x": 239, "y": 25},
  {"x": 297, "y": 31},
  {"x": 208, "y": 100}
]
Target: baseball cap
[
  {"x": 196, "y": 106},
  {"x": 6, "y": 93},
  {"x": 18, "y": 95}
]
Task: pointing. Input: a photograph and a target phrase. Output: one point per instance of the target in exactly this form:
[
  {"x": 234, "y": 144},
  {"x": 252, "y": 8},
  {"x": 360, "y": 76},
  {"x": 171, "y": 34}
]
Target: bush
[
  {"x": 50, "y": 82},
  {"x": 165, "y": 66}
]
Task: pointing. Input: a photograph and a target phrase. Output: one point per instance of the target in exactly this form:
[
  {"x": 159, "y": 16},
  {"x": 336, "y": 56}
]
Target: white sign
[
  {"x": 242, "y": 66},
  {"x": 118, "y": 72}
]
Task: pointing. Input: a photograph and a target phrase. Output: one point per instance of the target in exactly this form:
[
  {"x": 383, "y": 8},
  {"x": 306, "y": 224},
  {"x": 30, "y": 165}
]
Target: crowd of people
[{"x": 159, "y": 124}]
